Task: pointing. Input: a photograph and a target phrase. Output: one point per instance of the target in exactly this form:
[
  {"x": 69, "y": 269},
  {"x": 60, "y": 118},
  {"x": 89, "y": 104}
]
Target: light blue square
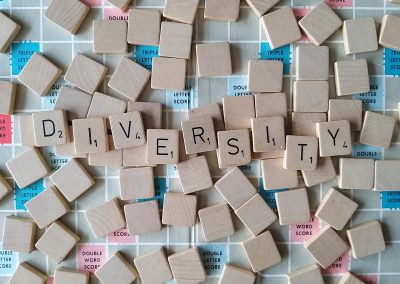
[
  {"x": 373, "y": 100},
  {"x": 182, "y": 100},
  {"x": 390, "y": 199},
  {"x": 392, "y": 62},
  {"x": 21, "y": 52},
  {"x": 237, "y": 86},
  {"x": 268, "y": 195},
  {"x": 8, "y": 261},
  {"x": 214, "y": 257},
  {"x": 4, "y": 3},
  {"x": 366, "y": 152},
  {"x": 282, "y": 53},
  {"x": 23, "y": 195},
  {"x": 144, "y": 55}
]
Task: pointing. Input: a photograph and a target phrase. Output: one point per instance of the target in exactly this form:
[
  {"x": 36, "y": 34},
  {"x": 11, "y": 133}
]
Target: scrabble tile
[
  {"x": 182, "y": 149},
  {"x": 144, "y": 27},
  {"x": 225, "y": 10},
  {"x": 19, "y": 234},
  {"x": 350, "y": 110},
  {"x": 312, "y": 63},
  {"x": 351, "y": 77},
  {"x": 303, "y": 123},
  {"x": 336, "y": 209},
  {"x": 151, "y": 113},
  {"x": 366, "y": 239},
  {"x": 216, "y": 222},
  {"x": 260, "y": 7},
  {"x": 28, "y": 167},
  {"x": 187, "y": 265},
  {"x": 293, "y": 207},
  {"x": 163, "y": 79},
  {"x": 105, "y": 218},
  {"x": 39, "y": 74},
  {"x": 116, "y": 270},
  {"x": 320, "y": 23},
  {"x": 90, "y": 135},
  {"x": 377, "y": 129},
  {"x": 326, "y": 246},
  {"x": 136, "y": 183},
  {"x": 9, "y": 30},
  {"x": 7, "y": 97},
  {"x": 76, "y": 103},
  {"x": 50, "y": 128},
  {"x": 67, "y": 276},
  {"x": 121, "y": 4},
  {"x": 273, "y": 104},
  {"x": 26, "y": 131},
  {"x": 145, "y": 266},
  {"x": 324, "y": 171},
  {"x": 301, "y": 153},
  {"x": 199, "y": 135},
  {"x": 109, "y": 36},
  {"x": 179, "y": 209},
  {"x": 256, "y": 215},
  {"x": 97, "y": 106},
  {"x": 236, "y": 275},
  {"x": 267, "y": 155},
  {"x": 389, "y": 26},
  {"x": 181, "y": 11},
  {"x": 212, "y": 110},
  {"x": 349, "y": 278},
  {"x": 127, "y": 130},
  {"x": 310, "y": 96},
  {"x": 47, "y": 207},
  {"x": 238, "y": 112},
  {"x": 71, "y": 21},
  {"x": 135, "y": 157},
  {"x": 72, "y": 180},
  {"x": 275, "y": 176},
  {"x": 307, "y": 274},
  {"x": 143, "y": 217},
  {"x": 78, "y": 75},
  {"x": 268, "y": 133},
  {"x": 194, "y": 174},
  {"x": 213, "y": 59},
  {"x": 265, "y": 76},
  {"x": 68, "y": 149},
  {"x": 122, "y": 79},
  {"x": 235, "y": 188},
  {"x": 27, "y": 274},
  {"x": 261, "y": 251},
  {"x": 57, "y": 242},
  {"x": 234, "y": 148},
  {"x": 386, "y": 175},
  {"x": 111, "y": 158},
  {"x": 5, "y": 188},
  {"x": 359, "y": 35},
  {"x": 356, "y": 173},
  {"x": 162, "y": 146},
  {"x": 280, "y": 20},
  {"x": 334, "y": 138},
  {"x": 175, "y": 40}
]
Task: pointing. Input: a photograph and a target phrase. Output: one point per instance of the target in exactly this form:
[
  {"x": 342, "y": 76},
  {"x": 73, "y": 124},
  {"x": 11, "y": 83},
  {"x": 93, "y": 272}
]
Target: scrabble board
[{"x": 248, "y": 41}]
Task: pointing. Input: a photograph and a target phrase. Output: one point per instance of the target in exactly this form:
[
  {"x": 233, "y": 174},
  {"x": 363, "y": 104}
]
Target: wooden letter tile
[
  {"x": 5, "y": 188},
  {"x": 182, "y": 149},
  {"x": 216, "y": 222},
  {"x": 151, "y": 113},
  {"x": 187, "y": 265},
  {"x": 143, "y": 217},
  {"x": 260, "y": 7},
  {"x": 199, "y": 135},
  {"x": 127, "y": 130},
  {"x": 50, "y": 127},
  {"x": 301, "y": 153},
  {"x": 144, "y": 27},
  {"x": 175, "y": 40},
  {"x": 236, "y": 275},
  {"x": 111, "y": 158},
  {"x": 377, "y": 129},
  {"x": 194, "y": 174},
  {"x": 293, "y": 207},
  {"x": 308, "y": 274},
  {"x": 351, "y": 77},
  {"x": 145, "y": 266},
  {"x": 116, "y": 270},
  {"x": 238, "y": 112},
  {"x": 7, "y": 97},
  {"x": 212, "y": 110},
  {"x": 324, "y": 171},
  {"x": 103, "y": 105},
  {"x": 179, "y": 209},
  {"x": 181, "y": 11},
  {"x": 68, "y": 276},
  {"x": 162, "y": 146},
  {"x": 19, "y": 234},
  {"x": 163, "y": 79},
  {"x": 121, "y": 4},
  {"x": 265, "y": 76},
  {"x": 275, "y": 176},
  {"x": 110, "y": 36},
  {"x": 273, "y": 104},
  {"x": 350, "y": 110},
  {"x": 90, "y": 135},
  {"x": 386, "y": 175},
  {"x": 222, "y": 10},
  {"x": 356, "y": 173},
  {"x": 136, "y": 183},
  {"x": 390, "y": 24},
  {"x": 27, "y": 274},
  {"x": 334, "y": 138},
  {"x": 268, "y": 133},
  {"x": 312, "y": 63},
  {"x": 76, "y": 103},
  {"x": 9, "y": 30},
  {"x": 303, "y": 123},
  {"x": 213, "y": 59},
  {"x": 234, "y": 148},
  {"x": 310, "y": 96},
  {"x": 359, "y": 35},
  {"x": 349, "y": 278}
]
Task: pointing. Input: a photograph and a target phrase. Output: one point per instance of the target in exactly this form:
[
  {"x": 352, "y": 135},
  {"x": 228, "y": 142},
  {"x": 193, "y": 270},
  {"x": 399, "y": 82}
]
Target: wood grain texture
[
  {"x": 236, "y": 275},
  {"x": 111, "y": 158},
  {"x": 121, "y": 4},
  {"x": 151, "y": 113},
  {"x": 275, "y": 176},
  {"x": 303, "y": 123},
  {"x": 213, "y": 59},
  {"x": 67, "y": 276},
  {"x": 293, "y": 206},
  {"x": 163, "y": 79},
  {"x": 9, "y": 30},
  {"x": 103, "y": 105},
  {"x": 135, "y": 157},
  {"x": 349, "y": 278},
  {"x": 359, "y": 35},
  {"x": 175, "y": 40},
  {"x": 68, "y": 149},
  {"x": 143, "y": 217},
  {"x": 179, "y": 209},
  {"x": 144, "y": 27},
  {"x": 199, "y": 135},
  {"x": 334, "y": 138},
  {"x": 212, "y": 110},
  {"x": 301, "y": 153},
  {"x": 260, "y": 7},
  {"x": 109, "y": 36},
  {"x": 265, "y": 76},
  {"x": 7, "y": 97},
  {"x": 387, "y": 37},
  {"x": 127, "y": 130},
  {"x": 310, "y": 96},
  {"x": 238, "y": 112},
  {"x": 182, "y": 149},
  {"x": 76, "y": 103},
  {"x": 324, "y": 171},
  {"x": 312, "y": 63},
  {"x": 27, "y": 274},
  {"x": 271, "y": 104},
  {"x": 50, "y": 128},
  {"x": 187, "y": 265},
  {"x": 356, "y": 173},
  {"x": 234, "y": 148},
  {"x": 194, "y": 174},
  {"x": 386, "y": 175},
  {"x": 90, "y": 135},
  {"x": 216, "y": 222},
  {"x": 350, "y": 110},
  {"x": 116, "y": 270},
  {"x": 307, "y": 274},
  {"x": 136, "y": 183},
  {"x": 351, "y": 77},
  {"x": 377, "y": 129},
  {"x": 145, "y": 266},
  {"x": 26, "y": 130},
  {"x": 268, "y": 133},
  {"x": 162, "y": 146},
  {"x": 19, "y": 234},
  {"x": 183, "y": 11},
  {"x": 5, "y": 187},
  {"x": 222, "y": 10}
]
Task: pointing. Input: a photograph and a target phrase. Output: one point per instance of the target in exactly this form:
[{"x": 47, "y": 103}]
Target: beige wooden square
[
  {"x": 181, "y": 10},
  {"x": 26, "y": 131},
  {"x": 386, "y": 175},
  {"x": 265, "y": 76},
  {"x": 7, "y": 97},
  {"x": 320, "y": 23},
  {"x": 238, "y": 111},
  {"x": 136, "y": 183},
  {"x": 143, "y": 217},
  {"x": 377, "y": 129},
  {"x": 213, "y": 59},
  {"x": 308, "y": 274},
  {"x": 222, "y": 10},
  {"x": 199, "y": 135},
  {"x": 350, "y": 110},
  {"x": 334, "y": 138},
  {"x": 182, "y": 149},
  {"x": 301, "y": 153},
  {"x": 109, "y": 36},
  {"x": 19, "y": 234},
  {"x": 234, "y": 148},
  {"x": 9, "y": 30},
  {"x": 179, "y": 209},
  {"x": 135, "y": 157},
  {"x": 212, "y": 110},
  {"x": 349, "y": 278},
  {"x": 303, "y": 123},
  {"x": 111, "y": 158},
  {"x": 127, "y": 130},
  {"x": 351, "y": 77},
  {"x": 187, "y": 265},
  {"x": 312, "y": 63},
  {"x": 90, "y": 135},
  {"x": 121, "y": 4},
  {"x": 175, "y": 40},
  {"x": 390, "y": 24},
  {"x": 144, "y": 27},
  {"x": 151, "y": 113},
  {"x": 356, "y": 173},
  {"x": 326, "y": 246},
  {"x": 163, "y": 79},
  {"x": 27, "y": 274},
  {"x": 74, "y": 102},
  {"x": 116, "y": 270},
  {"x": 324, "y": 171},
  {"x": 67, "y": 276},
  {"x": 5, "y": 187},
  {"x": 145, "y": 266},
  {"x": 236, "y": 275},
  {"x": 50, "y": 128},
  {"x": 103, "y": 105},
  {"x": 260, "y": 7},
  {"x": 216, "y": 222},
  {"x": 275, "y": 176},
  {"x": 293, "y": 206},
  {"x": 68, "y": 149},
  {"x": 194, "y": 174},
  {"x": 310, "y": 96},
  {"x": 273, "y": 104},
  {"x": 71, "y": 21},
  {"x": 28, "y": 167},
  {"x": 268, "y": 133},
  {"x": 359, "y": 35},
  {"x": 162, "y": 146},
  {"x": 39, "y": 74}
]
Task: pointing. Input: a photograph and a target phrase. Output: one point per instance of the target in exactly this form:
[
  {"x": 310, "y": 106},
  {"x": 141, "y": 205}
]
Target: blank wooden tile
[
  {"x": 116, "y": 270},
  {"x": 162, "y": 146},
  {"x": 336, "y": 209},
  {"x": 275, "y": 176},
  {"x": 213, "y": 59},
  {"x": 68, "y": 149},
  {"x": 377, "y": 129},
  {"x": 351, "y": 77},
  {"x": 181, "y": 11},
  {"x": 366, "y": 239},
  {"x": 109, "y": 36},
  {"x": 265, "y": 76},
  {"x": 127, "y": 130},
  {"x": 19, "y": 234},
  {"x": 39, "y": 74},
  {"x": 72, "y": 180},
  {"x": 293, "y": 206},
  {"x": 136, "y": 183},
  {"x": 9, "y": 30},
  {"x": 273, "y": 104},
  {"x": 145, "y": 266},
  {"x": 28, "y": 167},
  {"x": 216, "y": 222},
  {"x": 151, "y": 113},
  {"x": 349, "y": 278},
  {"x": 281, "y": 20},
  {"x": 320, "y": 23},
  {"x": 90, "y": 135},
  {"x": 238, "y": 111},
  {"x": 121, "y": 4},
  {"x": 386, "y": 175},
  {"x": 67, "y": 276},
  {"x": 301, "y": 153},
  {"x": 71, "y": 21},
  {"x": 7, "y": 97},
  {"x": 175, "y": 40},
  {"x": 356, "y": 173},
  {"x": 143, "y": 217},
  {"x": 303, "y": 123},
  {"x": 359, "y": 35},
  {"x": 106, "y": 218},
  {"x": 307, "y": 274},
  {"x": 268, "y": 133},
  {"x": 199, "y": 135},
  {"x": 334, "y": 138},
  {"x": 350, "y": 110},
  {"x": 179, "y": 209},
  {"x": 5, "y": 188},
  {"x": 47, "y": 207},
  {"x": 312, "y": 63},
  {"x": 78, "y": 74},
  {"x": 144, "y": 27},
  {"x": 324, "y": 171},
  {"x": 236, "y": 275},
  {"x": 26, "y": 131},
  {"x": 135, "y": 157},
  {"x": 256, "y": 215},
  {"x": 310, "y": 96},
  {"x": 326, "y": 246},
  {"x": 187, "y": 265},
  {"x": 260, "y": 7},
  {"x": 225, "y": 10},
  {"x": 235, "y": 188},
  {"x": 212, "y": 110},
  {"x": 261, "y": 251},
  {"x": 194, "y": 174},
  {"x": 163, "y": 79},
  {"x": 27, "y": 274},
  {"x": 103, "y": 105},
  {"x": 57, "y": 242},
  {"x": 111, "y": 158},
  {"x": 234, "y": 148},
  {"x": 389, "y": 26},
  {"x": 50, "y": 128},
  {"x": 76, "y": 103}
]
